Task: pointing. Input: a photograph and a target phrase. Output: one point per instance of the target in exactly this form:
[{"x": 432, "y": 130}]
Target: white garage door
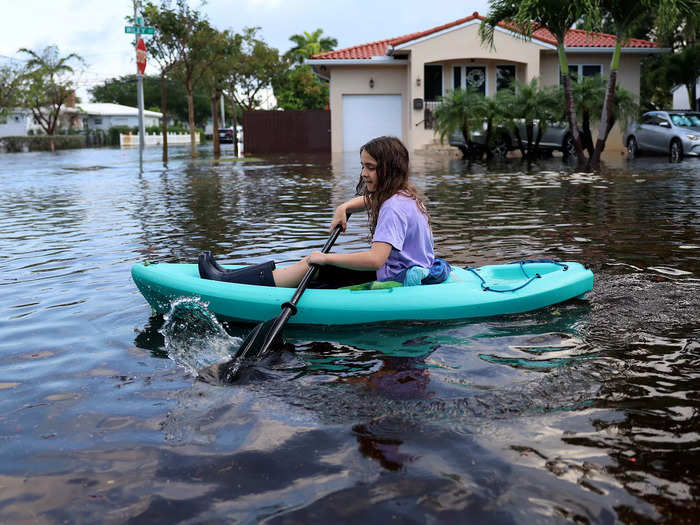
[{"x": 369, "y": 116}]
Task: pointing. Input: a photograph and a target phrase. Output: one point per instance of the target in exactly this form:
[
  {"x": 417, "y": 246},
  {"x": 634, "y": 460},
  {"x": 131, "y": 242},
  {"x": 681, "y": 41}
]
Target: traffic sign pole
[{"x": 139, "y": 92}]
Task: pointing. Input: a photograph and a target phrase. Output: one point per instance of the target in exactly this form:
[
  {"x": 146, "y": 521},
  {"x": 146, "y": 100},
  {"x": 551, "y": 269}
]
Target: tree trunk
[
  {"x": 530, "y": 149},
  {"x": 190, "y": 115},
  {"x": 570, "y": 107},
  {"x": 607, "y": 114},
  {"x": 489, "y": 123},
  {"x": 164, "y": 120},
  {"x": 521, "y": 147},
  {"x": 215, "y": 122},
  {"x": 587, "y": 134}
]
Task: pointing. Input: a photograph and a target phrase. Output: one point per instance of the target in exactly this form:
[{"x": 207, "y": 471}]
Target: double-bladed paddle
[{"x": 268, "y": 335}]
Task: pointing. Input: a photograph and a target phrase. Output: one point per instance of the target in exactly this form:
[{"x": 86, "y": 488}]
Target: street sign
[
  {"x": 140, "y": 30},
  {"x": 141, "y": 56}
]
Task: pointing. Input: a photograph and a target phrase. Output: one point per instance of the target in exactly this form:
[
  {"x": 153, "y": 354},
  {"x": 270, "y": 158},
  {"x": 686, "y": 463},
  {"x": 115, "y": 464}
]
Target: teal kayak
[{"x": 469, "y": 292}]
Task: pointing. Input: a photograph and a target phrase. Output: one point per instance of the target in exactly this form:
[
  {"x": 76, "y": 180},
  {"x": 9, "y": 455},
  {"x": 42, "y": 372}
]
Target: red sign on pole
[{"x": 141, "y": 56}]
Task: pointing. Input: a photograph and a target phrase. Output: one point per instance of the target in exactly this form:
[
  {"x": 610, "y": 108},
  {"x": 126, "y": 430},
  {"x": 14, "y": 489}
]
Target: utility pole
[{"x": 223, "y": 117}]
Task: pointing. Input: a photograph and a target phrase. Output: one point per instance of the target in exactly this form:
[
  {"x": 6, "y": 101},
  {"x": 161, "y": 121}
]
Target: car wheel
[
  {"x": 568, "y": 147},
  {"x": 500, "y": 147},
  {"x": 632, "y": 148},
  {"x": 676, "y": 151}
]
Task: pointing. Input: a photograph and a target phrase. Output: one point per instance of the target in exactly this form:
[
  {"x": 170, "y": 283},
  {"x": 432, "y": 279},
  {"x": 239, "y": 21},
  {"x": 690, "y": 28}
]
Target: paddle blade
[{"x": 258, "y": 339}]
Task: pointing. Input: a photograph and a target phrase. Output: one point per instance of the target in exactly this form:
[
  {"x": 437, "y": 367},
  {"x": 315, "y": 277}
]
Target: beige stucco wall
[{"x": 354, "y": 80}]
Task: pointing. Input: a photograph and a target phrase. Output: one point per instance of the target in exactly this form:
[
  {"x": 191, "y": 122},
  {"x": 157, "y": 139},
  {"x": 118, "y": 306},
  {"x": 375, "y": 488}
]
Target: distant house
[
  {"x": 102, "y": 115},
  {"x": 681, "y": 100},
  {"x": 391, "y": 86},
  {"x": 14, "y": 123},
  {"x": 88, "y": 116}
]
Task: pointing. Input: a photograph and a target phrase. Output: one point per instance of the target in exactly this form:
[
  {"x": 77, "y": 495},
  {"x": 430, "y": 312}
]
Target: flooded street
[{"x": 587, "y": 411}]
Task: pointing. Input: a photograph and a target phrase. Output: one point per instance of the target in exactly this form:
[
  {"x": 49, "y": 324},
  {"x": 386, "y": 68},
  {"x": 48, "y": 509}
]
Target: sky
[{"x": 94, "y": 29}]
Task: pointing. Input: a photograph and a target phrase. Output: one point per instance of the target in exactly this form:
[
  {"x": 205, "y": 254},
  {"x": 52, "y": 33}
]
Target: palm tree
[
  {"x": 459, "y": 111},
  {"x": 624, "y": 16},
  {"x": 558, "y": 17},
  {"x": 531, "y": 108},
  {"x": 46, "y": 88},
  {"x": 309, "y": 44},
  {"x": 589, "y": 97},
  {"x": 493, "y": 111}
]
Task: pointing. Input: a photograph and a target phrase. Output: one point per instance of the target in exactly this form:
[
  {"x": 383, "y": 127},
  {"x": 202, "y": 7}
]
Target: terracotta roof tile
[{"x": 574, "y": 38}]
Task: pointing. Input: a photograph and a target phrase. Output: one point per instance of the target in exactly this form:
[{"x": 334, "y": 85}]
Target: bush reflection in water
[{"x": 585, "y": 411}]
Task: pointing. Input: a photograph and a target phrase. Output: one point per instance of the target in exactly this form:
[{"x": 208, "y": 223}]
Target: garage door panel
[{"x": 369, "y": 116}]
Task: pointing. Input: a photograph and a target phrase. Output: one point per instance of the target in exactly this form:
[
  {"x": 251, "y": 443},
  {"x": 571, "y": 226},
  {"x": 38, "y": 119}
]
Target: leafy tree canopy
[
  {"x": 300, "y": 89},
  {"x": 10, "y": 83},
  {"x": 122, "y": 90},
  {"x": 255, "y": 66}
]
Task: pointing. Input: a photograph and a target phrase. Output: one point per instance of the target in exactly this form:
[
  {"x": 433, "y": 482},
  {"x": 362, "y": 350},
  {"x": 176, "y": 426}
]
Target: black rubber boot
[{"x": 256, "y": 274}]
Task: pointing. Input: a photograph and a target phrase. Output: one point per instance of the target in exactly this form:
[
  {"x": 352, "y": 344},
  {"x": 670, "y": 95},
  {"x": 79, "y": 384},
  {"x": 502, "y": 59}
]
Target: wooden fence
[{"x": 306, "y": 131}]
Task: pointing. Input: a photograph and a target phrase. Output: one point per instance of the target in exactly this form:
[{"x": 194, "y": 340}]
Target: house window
[
  {"x": 457, "y": 77},
  {"x": 578, "y": 71},
  {"x": 505, "y": 77},
  {"x": 433, "y": 82},
  {"x": 475, "y": 78},
  {"x": 98, "y": 121},
  {"x": 471, "y": 76},
  {"x": 591, "y": 70}
]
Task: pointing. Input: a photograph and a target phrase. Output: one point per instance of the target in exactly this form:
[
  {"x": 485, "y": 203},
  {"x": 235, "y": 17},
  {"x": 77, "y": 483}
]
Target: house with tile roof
[{"x": 391, "y": 86}]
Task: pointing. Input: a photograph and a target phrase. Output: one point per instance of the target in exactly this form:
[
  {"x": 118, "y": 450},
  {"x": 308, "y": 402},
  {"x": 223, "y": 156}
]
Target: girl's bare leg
[{"x": 290, "y": 276}]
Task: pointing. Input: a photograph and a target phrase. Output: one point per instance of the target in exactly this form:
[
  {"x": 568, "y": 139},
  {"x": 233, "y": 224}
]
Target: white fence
[{"x": 174, "y": 139}]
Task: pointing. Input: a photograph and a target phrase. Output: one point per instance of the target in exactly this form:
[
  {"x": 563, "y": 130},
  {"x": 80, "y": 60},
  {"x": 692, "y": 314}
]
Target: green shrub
[
  {"x": 43, "y": 142},
  {"x": 115, "y": 131}
]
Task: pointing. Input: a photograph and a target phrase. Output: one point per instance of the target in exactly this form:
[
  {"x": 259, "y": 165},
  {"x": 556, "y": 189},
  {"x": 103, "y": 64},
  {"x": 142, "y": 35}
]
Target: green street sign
[{"x": 140, "y": 30}]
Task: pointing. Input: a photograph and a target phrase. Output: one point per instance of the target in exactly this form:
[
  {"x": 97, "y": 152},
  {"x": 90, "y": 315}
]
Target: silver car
[
  {"x": 556, "y": 136},
  {"x": 675, "y": 133}
]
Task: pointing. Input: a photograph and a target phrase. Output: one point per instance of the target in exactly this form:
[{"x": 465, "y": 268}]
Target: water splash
[{"x": 194, "y": 338}]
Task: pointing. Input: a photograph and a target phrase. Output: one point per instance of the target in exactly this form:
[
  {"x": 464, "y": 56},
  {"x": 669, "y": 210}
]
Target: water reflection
[{"x": 585, "y": 411}]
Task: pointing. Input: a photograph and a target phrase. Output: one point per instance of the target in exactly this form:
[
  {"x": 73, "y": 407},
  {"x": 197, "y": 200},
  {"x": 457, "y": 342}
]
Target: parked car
[
  {"x": 675, "y": 133},
  {"x": 226, "y": 135},
  {"x": 555, "y": 137}
]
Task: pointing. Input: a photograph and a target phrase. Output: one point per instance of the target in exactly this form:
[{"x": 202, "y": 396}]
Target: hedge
[{"x": 42, "y": 143}]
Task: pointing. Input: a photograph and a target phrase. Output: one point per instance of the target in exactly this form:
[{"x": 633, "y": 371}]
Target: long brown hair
[{"x": 392, "y": 177}]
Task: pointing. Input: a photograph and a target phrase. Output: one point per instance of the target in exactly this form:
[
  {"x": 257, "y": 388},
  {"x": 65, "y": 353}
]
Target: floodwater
[{"x": 585, "y": 412}]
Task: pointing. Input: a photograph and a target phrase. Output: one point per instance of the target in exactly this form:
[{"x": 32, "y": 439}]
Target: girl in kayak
[{"x": 402, "y": 241}]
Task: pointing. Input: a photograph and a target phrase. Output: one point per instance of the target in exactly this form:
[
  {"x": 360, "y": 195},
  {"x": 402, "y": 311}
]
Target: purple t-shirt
[{"x": 401, "y": 224}]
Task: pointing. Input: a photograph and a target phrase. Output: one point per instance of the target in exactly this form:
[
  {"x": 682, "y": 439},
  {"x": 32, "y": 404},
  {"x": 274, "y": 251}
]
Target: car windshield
[
  {"x": 694, "y": 119},
  {"x": 686, "y": 121}
]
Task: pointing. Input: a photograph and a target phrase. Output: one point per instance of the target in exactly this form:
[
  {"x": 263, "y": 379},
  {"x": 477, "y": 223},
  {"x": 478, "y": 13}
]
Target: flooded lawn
[{"x": 587, "y": 411}]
